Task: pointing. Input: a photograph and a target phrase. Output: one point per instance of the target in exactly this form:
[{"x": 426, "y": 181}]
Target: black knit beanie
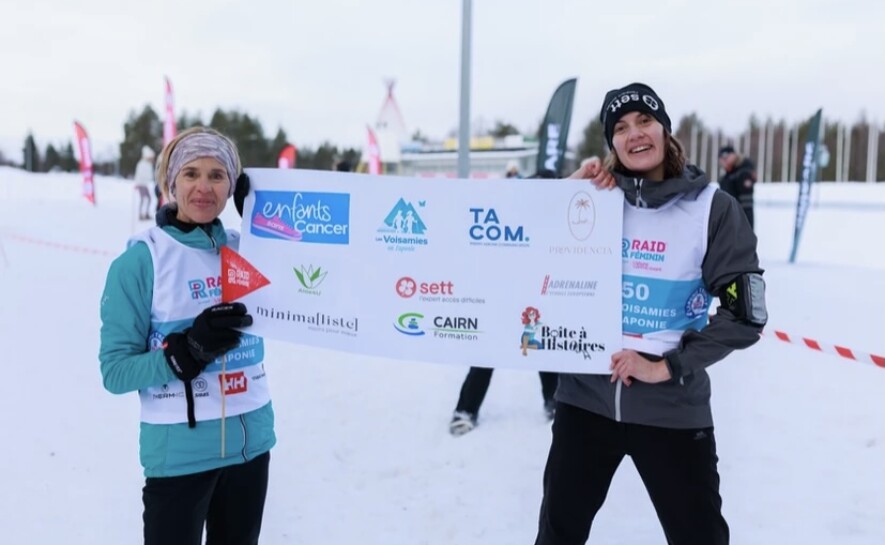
[{"x": 636, "y": 97}]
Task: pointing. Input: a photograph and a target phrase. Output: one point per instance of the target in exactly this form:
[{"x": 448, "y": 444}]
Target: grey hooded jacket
[{"x": 684, "y": 401}]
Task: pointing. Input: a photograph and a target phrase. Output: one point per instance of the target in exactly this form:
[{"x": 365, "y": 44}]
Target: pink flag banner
[
  {"x": 373, "y": 154},
  {"x": 85, "y": 162},
  {"x": 169, "y": 122}
]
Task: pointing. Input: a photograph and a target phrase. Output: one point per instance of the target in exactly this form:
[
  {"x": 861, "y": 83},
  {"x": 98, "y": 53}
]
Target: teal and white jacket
[{"x": 157, "y": 286}]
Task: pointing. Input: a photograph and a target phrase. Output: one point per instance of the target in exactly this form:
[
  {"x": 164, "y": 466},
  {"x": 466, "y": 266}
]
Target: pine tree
[
  {"x": 31, "y": 160},
  {"x": 186, "y": 122},
  {"x": 144, "y": 129},
  {"x": 248, "y": 135},
  {"x": 68, "y": 161},
  {"x": 593, "y": 143},
  {"x": 51, "y": 159},
  {"x": 502, "y": 129},
  {"x": 276, "y": 145},
  {"x": 323, "y": 158}
]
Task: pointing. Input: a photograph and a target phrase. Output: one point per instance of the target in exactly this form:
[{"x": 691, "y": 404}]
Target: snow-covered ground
[{"x": 364, "y": 455}]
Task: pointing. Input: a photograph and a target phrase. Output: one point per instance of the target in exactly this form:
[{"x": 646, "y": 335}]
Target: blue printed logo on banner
[
  {"x": 301, "y": 216},
  {"x": 403, "y": 228},
  {"x": 409, "y": 324},
  {"x": 487, "y": 230}
]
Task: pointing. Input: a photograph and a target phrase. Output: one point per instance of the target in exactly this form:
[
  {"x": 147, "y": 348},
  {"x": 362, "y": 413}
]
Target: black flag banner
[{"x": 554, "y": 131}]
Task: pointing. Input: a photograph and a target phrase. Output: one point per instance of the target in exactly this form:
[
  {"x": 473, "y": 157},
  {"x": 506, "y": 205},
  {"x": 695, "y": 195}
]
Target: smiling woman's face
[
  {"x": 201, "y": 190},
  {"x": 639, "y": 141}
]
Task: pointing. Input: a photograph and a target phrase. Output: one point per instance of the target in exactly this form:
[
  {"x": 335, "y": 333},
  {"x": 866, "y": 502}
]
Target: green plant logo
[{"x": 310, "y": 278}]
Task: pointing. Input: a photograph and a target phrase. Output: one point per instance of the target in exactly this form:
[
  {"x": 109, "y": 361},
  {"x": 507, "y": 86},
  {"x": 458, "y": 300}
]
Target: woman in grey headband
[{"x": 206, "y": 413}]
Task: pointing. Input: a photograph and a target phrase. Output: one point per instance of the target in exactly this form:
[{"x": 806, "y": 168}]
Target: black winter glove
[
  {"x": 240, "y": 191},
  {"x": 211, "y": 335},
  {"x": 179, "y": 358}
]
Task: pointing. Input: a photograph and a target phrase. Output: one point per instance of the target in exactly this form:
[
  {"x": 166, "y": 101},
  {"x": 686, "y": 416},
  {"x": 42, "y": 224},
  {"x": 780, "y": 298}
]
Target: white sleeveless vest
[
  {"x": 663, "y": 288},
  {"x": 186, "y": 281}
]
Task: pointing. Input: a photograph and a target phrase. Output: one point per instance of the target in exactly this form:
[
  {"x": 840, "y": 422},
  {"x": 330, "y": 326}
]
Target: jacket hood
[{"x": 650, "y": 194}]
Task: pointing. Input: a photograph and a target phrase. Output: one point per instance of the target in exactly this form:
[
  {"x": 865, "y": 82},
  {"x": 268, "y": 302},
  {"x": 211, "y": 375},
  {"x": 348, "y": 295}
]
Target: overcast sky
[{"x": 317, "y": 68}]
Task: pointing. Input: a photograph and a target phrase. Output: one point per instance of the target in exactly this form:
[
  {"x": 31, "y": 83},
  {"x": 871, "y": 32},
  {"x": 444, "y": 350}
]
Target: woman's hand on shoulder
[{"x": 591, "y": 169}]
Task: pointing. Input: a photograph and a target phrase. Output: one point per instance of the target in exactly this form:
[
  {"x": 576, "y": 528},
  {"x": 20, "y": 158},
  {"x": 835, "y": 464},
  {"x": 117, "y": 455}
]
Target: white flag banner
[{"x": 496, "y": 273}]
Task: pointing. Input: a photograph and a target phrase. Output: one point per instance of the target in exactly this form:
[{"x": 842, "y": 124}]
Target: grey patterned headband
[{"x": 202, "y": 144}]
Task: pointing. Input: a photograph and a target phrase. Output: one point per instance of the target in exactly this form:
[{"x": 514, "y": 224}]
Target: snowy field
[{"x": 364, "y": 455}]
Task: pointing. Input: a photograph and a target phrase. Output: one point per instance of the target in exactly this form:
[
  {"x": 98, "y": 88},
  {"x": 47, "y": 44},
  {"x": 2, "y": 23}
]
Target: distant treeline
[
  {"x": 145, "y": 128},
  {"x": 856, "y": 135}
]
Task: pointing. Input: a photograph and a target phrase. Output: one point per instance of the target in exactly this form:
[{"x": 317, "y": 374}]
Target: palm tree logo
[
  {"x": 580, "y": 205},
  {"x": 581, "y": 215}
]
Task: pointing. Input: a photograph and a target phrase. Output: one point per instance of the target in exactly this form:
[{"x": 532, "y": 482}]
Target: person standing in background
[
  {"x": 739, "y": 179},
  {"x": 144, "y": 179}
]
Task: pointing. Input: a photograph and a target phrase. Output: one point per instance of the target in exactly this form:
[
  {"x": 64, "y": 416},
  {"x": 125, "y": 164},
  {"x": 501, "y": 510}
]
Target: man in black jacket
[{"x": 740, "y": 176}]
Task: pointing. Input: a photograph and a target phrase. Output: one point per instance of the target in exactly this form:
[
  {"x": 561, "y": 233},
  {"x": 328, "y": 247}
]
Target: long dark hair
[{"x": 674, "y": 159}]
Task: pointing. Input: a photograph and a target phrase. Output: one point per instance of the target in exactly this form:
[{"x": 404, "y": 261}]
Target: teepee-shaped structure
[{"x": 390, "y": 128}]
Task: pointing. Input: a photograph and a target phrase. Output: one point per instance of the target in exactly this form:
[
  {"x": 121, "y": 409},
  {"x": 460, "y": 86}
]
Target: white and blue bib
[
  {"x": 187, "y": 281},
  {"x": 663, "y": 289}
]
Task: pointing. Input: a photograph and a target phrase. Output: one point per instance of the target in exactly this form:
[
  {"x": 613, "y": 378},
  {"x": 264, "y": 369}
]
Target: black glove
[
  {"x": 240, "y": 191},
  {"x": 179, "y": 358},
  {"x": 211, "y": 335}
]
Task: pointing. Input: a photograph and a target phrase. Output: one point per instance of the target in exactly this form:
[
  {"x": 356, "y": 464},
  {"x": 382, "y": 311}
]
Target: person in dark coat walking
[{"x": 739, "y": 179}]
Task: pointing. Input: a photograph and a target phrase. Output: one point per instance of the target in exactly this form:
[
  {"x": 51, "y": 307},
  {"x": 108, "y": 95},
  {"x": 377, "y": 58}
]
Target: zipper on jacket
[
  {"x": 637, "y": 182},
  {"x": 243, "y": 425},
  {"x": 207, "y": 229},
  {"x": 618, "y": 386}
]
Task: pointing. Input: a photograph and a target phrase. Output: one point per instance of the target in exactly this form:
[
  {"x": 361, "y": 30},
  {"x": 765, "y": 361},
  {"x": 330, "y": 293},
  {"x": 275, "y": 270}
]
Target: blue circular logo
[
  {"x": 155, "y": 341},
  {"x": 408, "y": 324},
  {"x": 697, "y": 303}
]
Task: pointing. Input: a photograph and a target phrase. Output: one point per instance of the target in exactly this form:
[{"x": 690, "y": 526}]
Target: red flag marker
[
  {"x": 238, "y": 276},
  {"x": 287, "y": 157}
]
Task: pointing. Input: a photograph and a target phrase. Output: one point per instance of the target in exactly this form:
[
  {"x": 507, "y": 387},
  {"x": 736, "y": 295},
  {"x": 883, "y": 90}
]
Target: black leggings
[
  {"x": 476, "y": 384},
  {"x": 677, "y": 466},
  {"x": 228, "y": 500}
]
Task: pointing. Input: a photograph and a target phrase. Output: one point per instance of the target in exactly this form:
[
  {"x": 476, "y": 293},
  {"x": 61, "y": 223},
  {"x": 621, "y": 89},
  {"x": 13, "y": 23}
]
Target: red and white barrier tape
[
  {"x": 59, "y": 246},
  {"x": 820, "y": 346},
  {"x": 828, "y": 348}
]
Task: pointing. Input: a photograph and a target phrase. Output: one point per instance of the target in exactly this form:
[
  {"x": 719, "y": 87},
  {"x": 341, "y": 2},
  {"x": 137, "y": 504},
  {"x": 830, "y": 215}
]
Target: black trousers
[
  {"x": 229, "y": 501},
  {"x": 677, "y": 466},
  {"x": 476, "y": 384}
]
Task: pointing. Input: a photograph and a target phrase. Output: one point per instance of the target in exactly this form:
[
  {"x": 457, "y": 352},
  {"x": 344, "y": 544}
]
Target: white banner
[{"x": 498, "y": 273}]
